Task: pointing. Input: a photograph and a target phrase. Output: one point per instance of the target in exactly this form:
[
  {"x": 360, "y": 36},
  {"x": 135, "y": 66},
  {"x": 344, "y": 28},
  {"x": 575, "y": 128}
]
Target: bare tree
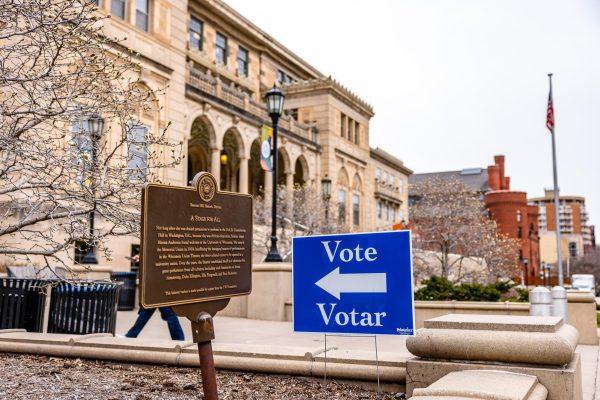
[
  {"x": 301, "y": 211},
  {"x": 60, "y": 79},
  {"x": 454, "y": 237}
]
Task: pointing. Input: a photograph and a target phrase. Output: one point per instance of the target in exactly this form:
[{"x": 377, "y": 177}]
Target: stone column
[
  {"x": 289, "y": 180},
  {"x": 215, "y": 163},
  {"x": 243, "y": 182},
  {"x": 268, "y": 188}
]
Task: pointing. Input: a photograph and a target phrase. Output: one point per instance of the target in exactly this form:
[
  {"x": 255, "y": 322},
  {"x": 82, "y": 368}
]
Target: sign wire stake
[
  {"x": 325, "y": 369},
  {"x": 377, "y": 366}
]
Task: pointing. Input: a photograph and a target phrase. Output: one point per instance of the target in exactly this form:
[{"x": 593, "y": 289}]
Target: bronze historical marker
[{"x": 196, "y": 243}]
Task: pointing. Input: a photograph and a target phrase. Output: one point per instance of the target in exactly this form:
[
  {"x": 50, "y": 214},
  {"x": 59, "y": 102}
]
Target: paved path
[
  {"x": 270, "y": 336},
  {"x": 241, "y": 331}
]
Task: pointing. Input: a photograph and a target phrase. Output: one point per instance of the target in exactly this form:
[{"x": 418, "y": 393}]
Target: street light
[
  {"x": 95, "y": 125},
  {"x": 326, "y": 186},
  {"x": 274, "y": 98}
]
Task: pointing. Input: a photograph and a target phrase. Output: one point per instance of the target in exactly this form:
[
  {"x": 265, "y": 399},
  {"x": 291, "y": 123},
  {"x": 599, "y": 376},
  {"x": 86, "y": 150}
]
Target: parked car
[{"x": 583, "y": 282}]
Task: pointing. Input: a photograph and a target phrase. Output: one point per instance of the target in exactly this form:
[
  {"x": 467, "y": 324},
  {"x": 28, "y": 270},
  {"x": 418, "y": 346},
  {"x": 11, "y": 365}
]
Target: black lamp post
[
  {"x": 326, "y": 187},
  {"x": 274, "y": 98},
  {"x": 95, "y": 125}
]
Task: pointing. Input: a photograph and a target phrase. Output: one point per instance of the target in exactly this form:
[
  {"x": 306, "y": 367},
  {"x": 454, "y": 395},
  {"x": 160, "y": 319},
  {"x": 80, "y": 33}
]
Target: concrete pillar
[
  {"x": 215, "y": 163},
  {"x": 559, "y": 303},
  {"x": 268, "y": 189},
  {"x": 541, "y": 302},
  {"x": 243, "y": 182}
]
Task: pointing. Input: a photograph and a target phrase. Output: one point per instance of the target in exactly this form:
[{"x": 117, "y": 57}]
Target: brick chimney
[
  {"x": 493, "y": 177},
  {"x": 499, "y": 161}
]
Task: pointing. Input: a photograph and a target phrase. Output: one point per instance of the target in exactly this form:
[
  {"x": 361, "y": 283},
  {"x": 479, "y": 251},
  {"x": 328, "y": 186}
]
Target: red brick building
[{"x": 515, "y": 218}]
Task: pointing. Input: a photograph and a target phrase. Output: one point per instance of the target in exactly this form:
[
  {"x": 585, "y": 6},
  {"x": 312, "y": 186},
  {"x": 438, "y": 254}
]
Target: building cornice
[{"x": 389, "y": 160}]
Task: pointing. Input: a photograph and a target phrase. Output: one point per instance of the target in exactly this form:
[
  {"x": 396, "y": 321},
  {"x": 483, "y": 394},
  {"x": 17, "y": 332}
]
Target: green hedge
[{"x": 438, "y": 288}]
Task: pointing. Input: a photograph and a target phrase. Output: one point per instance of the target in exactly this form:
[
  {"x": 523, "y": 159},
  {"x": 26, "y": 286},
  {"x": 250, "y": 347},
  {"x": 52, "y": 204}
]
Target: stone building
[
  {"x": 509, "y": 208},
  {"x": 577, "y": 236},
  {"x": 214, "y": 66}
]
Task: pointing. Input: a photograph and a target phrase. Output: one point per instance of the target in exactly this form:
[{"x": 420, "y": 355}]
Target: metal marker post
[
  {"x": 556, "y": 193},
  {"x": 203, "y": 333}
]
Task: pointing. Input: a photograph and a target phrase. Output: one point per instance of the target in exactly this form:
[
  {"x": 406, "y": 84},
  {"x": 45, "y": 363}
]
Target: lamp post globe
[
  {"x": 274, "y": 99},
  {"x": 95, "y": 125}
]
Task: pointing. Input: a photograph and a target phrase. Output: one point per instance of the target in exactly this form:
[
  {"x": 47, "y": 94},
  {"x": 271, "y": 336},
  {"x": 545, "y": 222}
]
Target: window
[
  {"x": 573, "y": 249},
  {"x": 379, "y": 209},
  {"x": 242, "y": 61},
  {"x": 137, "y": 151},
  {"x": 283, "y": 78},
  {"x": 400, "y": 185},
  {"x": 81, "y": 249},
  {"x": 343, "y": 125},
  {"x": 519, "y": 232},
  {"x": 378, "y": 174},
  {"x": 221, "y": 49},
  {"x": 392, "y": 183},
  {"x": 341, "y": 206},
  {"x": 196, "y": 36},
  {"x": 350, "y": 130},
  {"x": 356, "y": 132},
  {"x": 117, "y": 8},
  {"x": 386, "y": 209},
  {"x": 519, "y": 217},
  {"x": 385, "y": 177},
  {"x": 142, "y": 14},
  {"x": 402, "y": 215},
  {"x": 393, "y": 214},
  {"x": 355, "y": 210}
]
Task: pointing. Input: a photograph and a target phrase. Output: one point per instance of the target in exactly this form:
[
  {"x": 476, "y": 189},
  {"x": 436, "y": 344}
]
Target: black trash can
[
  {"x": 127, "y": 294},
  {"x": 22, "y": 304},
  {"x": 83, "y": 307}
]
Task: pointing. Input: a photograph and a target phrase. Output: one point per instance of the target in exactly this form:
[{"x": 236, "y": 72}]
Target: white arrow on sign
[{"x": 335, "y": 283}]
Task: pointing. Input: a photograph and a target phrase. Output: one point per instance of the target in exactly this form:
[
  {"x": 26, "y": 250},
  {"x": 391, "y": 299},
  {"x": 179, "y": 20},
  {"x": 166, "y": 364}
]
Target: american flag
[{"x": 550, "y": 113}]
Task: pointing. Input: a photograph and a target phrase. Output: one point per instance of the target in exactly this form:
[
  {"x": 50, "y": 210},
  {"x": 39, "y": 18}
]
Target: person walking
[{"x": 166, "y": 313}]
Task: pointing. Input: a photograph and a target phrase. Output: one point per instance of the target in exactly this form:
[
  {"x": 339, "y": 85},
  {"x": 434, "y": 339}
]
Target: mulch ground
[{"x": 39, "y": 377}]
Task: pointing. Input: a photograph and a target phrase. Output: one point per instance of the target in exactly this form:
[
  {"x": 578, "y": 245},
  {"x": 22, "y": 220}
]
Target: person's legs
[
  {"x": 144, "y": 315},
  {"x": 169, "y": 315}
]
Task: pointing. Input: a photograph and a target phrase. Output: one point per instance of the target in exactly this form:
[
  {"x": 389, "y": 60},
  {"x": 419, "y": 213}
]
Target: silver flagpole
[{"x": 561, "y": 279}]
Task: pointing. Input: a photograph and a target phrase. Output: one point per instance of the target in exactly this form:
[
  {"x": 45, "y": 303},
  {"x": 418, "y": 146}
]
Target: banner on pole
[{"x": 266, "y": 160}]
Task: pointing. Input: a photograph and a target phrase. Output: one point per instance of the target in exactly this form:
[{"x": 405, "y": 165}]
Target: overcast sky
[{"x": 454, "y": 82}]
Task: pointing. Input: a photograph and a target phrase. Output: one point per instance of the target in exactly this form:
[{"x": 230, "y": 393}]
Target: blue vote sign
[{"x": 354, "y": 283}]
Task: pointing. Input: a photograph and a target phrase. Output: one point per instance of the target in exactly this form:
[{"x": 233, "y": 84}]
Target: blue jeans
[{"x": 166, "y": 313}]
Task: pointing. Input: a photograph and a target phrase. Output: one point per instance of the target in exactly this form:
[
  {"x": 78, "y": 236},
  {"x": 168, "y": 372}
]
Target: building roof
[
  {"x": 392, "y": 161},
  {"x": 475, "y": 178},
  {"x": 549, "y": 197}
]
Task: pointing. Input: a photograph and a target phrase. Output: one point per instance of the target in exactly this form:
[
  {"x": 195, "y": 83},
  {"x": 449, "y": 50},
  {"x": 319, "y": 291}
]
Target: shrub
[{"x": 438, "y": 288}]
